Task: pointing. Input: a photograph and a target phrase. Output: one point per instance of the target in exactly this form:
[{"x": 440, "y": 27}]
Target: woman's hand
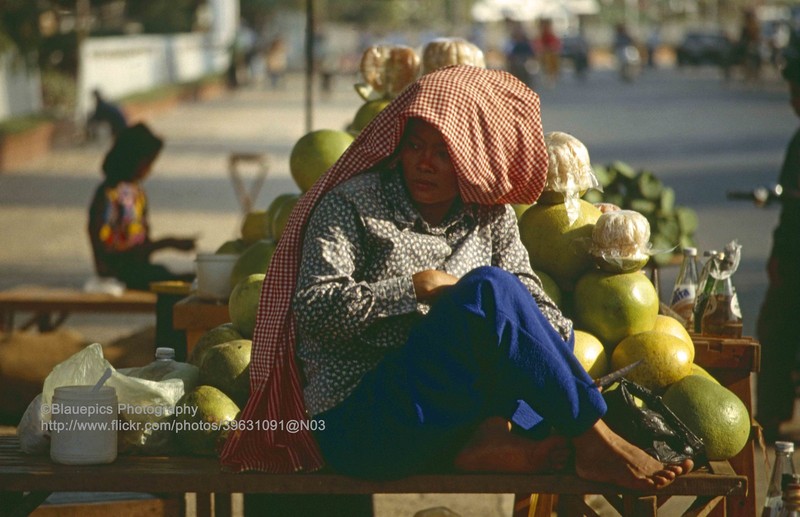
[
  {"x": 773, "y": 272},
  {"x": 429, "y": 283}
]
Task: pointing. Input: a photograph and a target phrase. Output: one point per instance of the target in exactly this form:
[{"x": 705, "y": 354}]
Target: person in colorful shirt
[
  {"x": 777, "y": 320},
  {"x": 401, "y": 295},
  {"x": 119, "y": 229}
]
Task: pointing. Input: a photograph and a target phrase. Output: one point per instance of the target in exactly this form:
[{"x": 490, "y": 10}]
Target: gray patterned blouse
[{"x": 355, "y": 298}]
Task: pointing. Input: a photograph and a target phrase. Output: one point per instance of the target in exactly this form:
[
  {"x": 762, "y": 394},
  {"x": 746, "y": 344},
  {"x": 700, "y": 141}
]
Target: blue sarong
[{"x": 484, "y": 349}]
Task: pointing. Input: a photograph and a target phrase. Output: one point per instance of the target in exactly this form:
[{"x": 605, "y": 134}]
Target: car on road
[{"x": 705, "y": 48}]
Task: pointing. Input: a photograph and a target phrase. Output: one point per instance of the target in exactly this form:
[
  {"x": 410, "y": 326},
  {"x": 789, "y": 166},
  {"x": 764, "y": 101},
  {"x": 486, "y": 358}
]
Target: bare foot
[
  {"x": 494, "y": 448},
  {"x": 602, "y": 455}
]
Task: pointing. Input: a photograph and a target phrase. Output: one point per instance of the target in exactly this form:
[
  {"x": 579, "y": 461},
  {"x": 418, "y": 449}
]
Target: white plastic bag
[{"x": 145, "y": 407}]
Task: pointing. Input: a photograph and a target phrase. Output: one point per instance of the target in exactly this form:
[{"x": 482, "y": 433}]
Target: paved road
[
  {"x": 700, "y": 136},
  {"x": 697, "y": 134}
]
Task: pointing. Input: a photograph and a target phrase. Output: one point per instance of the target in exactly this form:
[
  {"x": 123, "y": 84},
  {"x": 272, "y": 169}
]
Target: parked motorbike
[{"x": 760, "y": 196}]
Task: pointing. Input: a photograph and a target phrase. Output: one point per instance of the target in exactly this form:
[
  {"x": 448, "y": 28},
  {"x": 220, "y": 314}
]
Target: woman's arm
[
  {"x": 333, "y": 301},
  {"x": 510, "y": 254}
]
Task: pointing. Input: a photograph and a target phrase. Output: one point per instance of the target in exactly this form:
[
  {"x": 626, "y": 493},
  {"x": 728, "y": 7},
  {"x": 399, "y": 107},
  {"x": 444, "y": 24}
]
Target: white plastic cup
[
  {"x": 214, "y": 275},
  {"x": 83, "y": 425}
]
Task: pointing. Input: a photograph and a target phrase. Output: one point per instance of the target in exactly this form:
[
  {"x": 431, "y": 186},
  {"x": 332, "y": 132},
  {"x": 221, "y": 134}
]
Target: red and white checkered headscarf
[{"x": 492, "y": 125}]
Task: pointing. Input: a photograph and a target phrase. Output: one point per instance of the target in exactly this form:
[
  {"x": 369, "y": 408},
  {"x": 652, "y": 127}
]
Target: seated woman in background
[
  {"x": 420, "y": 331},
  {"x": 119, "y": 229}
]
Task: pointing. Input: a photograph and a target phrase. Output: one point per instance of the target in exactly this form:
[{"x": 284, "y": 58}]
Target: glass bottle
[
  {"x": 705, "y": 284},
  {"x": 791, "y": 496},
  {"x": 784, "y": 464},
  {"x": 722, "y": 315},
  {"x": 685, "y": 290}
]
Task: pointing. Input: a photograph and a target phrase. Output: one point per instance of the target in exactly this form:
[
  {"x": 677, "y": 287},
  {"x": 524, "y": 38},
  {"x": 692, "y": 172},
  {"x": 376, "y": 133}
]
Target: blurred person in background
[
  {"x": 119, "y": 229},
  {"x": 548, "y": 49},
  {"x": 749, "y": 46},
  {"x": 777, "y": 321},
  {"x": 520, "y": 54},
  {"x": 276, "y": 61}
]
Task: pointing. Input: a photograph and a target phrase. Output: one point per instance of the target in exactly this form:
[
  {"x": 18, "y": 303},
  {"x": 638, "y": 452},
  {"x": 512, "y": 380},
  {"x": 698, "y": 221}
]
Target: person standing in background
[
  {"x": 777, "y": 320},
  {"x": 548, "y": 47},
  {"x": 276, "y": 62}
]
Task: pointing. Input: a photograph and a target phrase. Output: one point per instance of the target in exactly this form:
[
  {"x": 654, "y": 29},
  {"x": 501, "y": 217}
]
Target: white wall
[
  {"x": 123, "y": 65},
  {"x": 20, "y": 88}
]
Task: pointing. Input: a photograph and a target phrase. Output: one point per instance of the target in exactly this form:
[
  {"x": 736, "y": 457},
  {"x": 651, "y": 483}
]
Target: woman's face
[{"x": 427, "y": 170}]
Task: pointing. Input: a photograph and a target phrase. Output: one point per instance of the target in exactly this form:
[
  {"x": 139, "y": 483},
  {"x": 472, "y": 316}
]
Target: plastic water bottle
[
  {"x": 685, "y": 290},
  {"x": 166, "y": 367},
  {"x": 784, "y": 464}
]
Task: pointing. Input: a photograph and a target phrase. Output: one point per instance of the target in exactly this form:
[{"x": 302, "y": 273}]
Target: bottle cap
[
  {"x": 784, "y": 446},
  {"x": 692, "y": 252},
  {"x": 164, "y": 352}
]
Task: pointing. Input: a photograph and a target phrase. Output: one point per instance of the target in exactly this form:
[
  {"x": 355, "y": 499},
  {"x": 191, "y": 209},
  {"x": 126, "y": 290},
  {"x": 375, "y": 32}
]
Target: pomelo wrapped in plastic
[
  {"x": 569, "y": 172},
  {"x": 442, "y": 52},
  {"x": 620, "y": 241}
]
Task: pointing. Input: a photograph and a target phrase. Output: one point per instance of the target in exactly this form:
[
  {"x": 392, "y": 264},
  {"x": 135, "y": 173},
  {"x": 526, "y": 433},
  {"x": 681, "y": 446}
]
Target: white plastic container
[
  {"x": 83, "y": 427},
  {"x": 214, "y": 275}
]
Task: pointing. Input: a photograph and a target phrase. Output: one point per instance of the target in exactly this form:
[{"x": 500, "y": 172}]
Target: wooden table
[
  {"x": 51, "y": 306},
  {"x": 196, "y": 316},
  {"x": 732, "y": 361},
  {"x": 26, "y": 481}
]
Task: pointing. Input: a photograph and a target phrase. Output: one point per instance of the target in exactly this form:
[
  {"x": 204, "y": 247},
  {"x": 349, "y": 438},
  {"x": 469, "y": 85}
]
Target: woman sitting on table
[
  {"x": 119, "y": 229},
  {"x": 421, "y": 332}
]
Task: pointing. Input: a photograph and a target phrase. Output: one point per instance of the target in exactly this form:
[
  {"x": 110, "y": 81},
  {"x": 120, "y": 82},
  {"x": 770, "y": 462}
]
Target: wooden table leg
[
  {"x": 634, "y": 506},
  {"x": 203, "y": 504}
]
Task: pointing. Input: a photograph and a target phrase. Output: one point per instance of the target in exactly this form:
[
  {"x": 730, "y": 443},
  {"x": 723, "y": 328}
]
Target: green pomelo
[
  {"x": 195, "y": 414},
  {"x": 550, "y": 287},
  {"x": 282, "y": 216},
  {"x": 701, "y": 372},
  {"x": 243, "y": 304},
  {"x": 520, "y": 209},
  {"x": 713, "y": 412},
  {"x": 232, "y": 247},
  {"x": 256, "y": 226},
  {"x": 368, "y": 111},
  {"x": 314, "y": 153},
  {"x": 216, "y": 336},
  {"x": 554, "y": 197},
  {"x": 254, "y": 260},
  {"x": 666, "y": 359},
  {"x": 672, "y": 326},
  {"x": 554, "y": 245},
  {"x": 591, "y": 354},
  {"x": 276, "y": 205},
  {"x": 227, "y": 367},
  {"x": 614, "y": 306}
]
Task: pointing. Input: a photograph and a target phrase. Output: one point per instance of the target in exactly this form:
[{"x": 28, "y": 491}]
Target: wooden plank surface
[
  {"x": 196, "y": 313},
  {"x": 36, "y": 298},
  {"x": 20, "y": 472}
]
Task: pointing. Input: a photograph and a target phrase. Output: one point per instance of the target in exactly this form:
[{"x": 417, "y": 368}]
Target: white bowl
[{"x": 214, "y": 275}]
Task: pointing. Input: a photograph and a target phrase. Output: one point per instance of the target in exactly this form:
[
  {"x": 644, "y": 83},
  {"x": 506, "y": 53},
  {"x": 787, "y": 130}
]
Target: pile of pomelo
[
  {"x": 615, "y": 310},
  {"x": 222, "y": 355}
]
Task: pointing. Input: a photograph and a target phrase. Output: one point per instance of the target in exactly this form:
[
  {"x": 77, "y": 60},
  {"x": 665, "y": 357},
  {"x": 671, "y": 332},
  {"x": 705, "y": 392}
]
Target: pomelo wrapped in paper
[
  {"x": 569, "y": 172},
  {"x": 442, "y": 52},
  {"x": 386, "y": 70},
  {"x": 621, "y": 241}
]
